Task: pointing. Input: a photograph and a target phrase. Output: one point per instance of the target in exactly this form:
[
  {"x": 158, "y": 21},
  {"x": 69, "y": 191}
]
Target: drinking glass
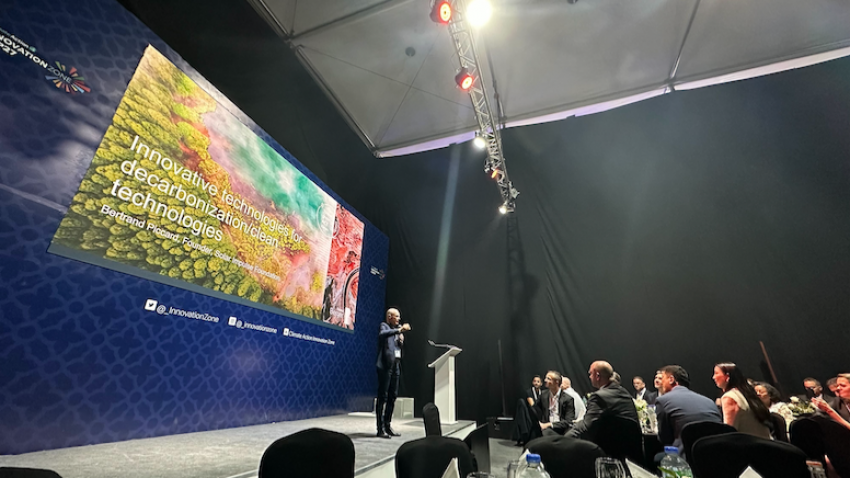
[{"x": 609, "y": 468}]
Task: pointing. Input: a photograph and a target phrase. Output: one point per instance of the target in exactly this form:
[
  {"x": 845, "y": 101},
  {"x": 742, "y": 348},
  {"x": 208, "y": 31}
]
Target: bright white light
[
  {"x": 478, "y": 12},
  {"x": 503, "y": 209},
  {"x": 479, "y": 142}
]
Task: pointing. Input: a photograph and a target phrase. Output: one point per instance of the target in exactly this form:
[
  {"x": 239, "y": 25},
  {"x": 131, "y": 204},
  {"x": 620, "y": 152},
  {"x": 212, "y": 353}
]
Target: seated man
[
  {"x": 642, "y": 393},
  {"x": 813, "y": 388},
  {"x": 657, "y": 383},
  {"x": 533, "y": 393},
  {"x": 678, "y": 405},
  {"x": 532, "y": 417},
  {"x": 554, "y": 409},
  {"x": 610, "y": 400},
  {"x": 578, "y": 403},
  {"x": 832, "y": 385}
]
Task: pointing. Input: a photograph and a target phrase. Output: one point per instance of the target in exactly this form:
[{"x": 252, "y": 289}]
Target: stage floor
[{"x": 230, "y": 453}]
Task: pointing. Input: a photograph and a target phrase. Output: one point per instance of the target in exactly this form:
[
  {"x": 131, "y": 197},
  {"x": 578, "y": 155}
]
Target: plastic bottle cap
[
  {"x": 671, "y": 450},
  {"x": 532, "y": 458}
]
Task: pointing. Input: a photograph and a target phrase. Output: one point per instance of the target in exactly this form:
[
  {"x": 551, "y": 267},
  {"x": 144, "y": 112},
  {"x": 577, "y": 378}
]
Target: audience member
[
  {"x": 742, "y": 408},
  {"x": 555, "y": 410},
  {"x": 641, "y": 392},
  {"x": 769, "y": 396},
  {"x": 616, "y": 378},
  {"x": 678, "y": 406},
  {"x": 813, "y": 388},
  {"x": 832, "y": 385},
  {"x": 533, "y": 393},
  {"x": 839, "y": 410},
  {"x": 609, "y": 400},
  {"x": 578, "y": 403},
  {"x": 657, "y": 383}
]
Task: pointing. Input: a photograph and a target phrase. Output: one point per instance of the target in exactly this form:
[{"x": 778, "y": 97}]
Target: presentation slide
[{"x": 181, "y": 192}]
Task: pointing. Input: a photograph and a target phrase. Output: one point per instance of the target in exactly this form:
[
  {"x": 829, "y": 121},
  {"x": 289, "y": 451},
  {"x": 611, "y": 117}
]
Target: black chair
[
  {"x": 696, "y": 430},
  {"x": 565, "y": 457},
  {"x": 431, "y": 417},
  {"x": 308, "y": 454},
  {"x": 430, "y": 456},
  {"x": 618, "y": 437},
  {"x": 9, "y": 472},
  {"x": 806, "y": 435},
  {"x": 478, "y": 442},
  {"x": 729, "y": 454},
  {"x": 818, "y": 436},
  {"x": 779, "y": 429}
]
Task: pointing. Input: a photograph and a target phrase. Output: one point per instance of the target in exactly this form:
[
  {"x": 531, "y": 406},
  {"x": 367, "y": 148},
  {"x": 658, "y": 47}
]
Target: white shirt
[
  {"x": 578, "y": 403},
  {"x": 640, "y": 394},
  {"x": 554, "y": 416}
]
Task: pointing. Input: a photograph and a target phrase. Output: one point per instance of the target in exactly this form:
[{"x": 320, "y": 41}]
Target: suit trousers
[{"x": 387, "y": 393}]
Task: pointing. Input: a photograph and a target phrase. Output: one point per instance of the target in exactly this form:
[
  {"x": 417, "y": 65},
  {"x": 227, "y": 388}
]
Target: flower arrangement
[
  {"x": 646, "y": 416},
  {"x": 801, "y": 407}
]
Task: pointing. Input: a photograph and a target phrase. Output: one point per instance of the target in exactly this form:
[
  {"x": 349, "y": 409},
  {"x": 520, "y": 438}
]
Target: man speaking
[{"x": 390, "y": 341}]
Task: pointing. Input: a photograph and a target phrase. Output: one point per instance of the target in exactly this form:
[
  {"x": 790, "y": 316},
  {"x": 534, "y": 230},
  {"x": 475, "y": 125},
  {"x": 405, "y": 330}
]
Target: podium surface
[{"x": 444, "y": 385}]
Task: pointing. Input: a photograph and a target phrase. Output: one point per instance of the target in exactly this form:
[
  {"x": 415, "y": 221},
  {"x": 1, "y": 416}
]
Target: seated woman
[
  {"x": 769, "y": 396},
  {"x": 842, "y": 402},
  {"x": 836, "y": 432},
  {"x": 742, "y": 408}
]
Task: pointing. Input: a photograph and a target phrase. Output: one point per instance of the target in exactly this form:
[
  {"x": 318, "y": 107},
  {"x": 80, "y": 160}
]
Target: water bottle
[
  {"x": 816, "y": 469},
  {"x": 673, "y": 465},
  {"x": 532, "y": 468}
]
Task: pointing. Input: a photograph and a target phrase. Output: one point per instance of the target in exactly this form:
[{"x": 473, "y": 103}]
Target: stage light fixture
[
  {"x": 464, "y": 80},
  {"x": 441, "y": 12},
  {"x": 494, "y": 173},
  {"x": 479, "y": 141},
  {"x": 478, "y": 12},
  {"x": 503, "y": 209}
]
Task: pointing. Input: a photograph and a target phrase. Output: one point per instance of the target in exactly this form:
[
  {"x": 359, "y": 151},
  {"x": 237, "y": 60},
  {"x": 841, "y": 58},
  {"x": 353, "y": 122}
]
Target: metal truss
[{"x": 462, "y": 38}]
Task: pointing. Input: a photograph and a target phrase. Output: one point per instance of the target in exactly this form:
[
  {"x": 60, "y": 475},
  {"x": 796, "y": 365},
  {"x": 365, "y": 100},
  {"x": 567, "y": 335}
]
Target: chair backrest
[
  {"x": 10, "y": 472},
  {"x": 729, "y": 454},
  {"x": 696, "y": 430},
  {"x": 430, "y": 456},
  {"x": 564, "y": 457},
  {"x": 819, "y": 435},
  {"x": 619, "y": 437},
  {"x": 806, "y": 435},
  {"x": 312, "y": 453},
  {"x": 478, "y": 442},
  {"x": 779, "y": 427},
  {"x": 431, "y": 417}
]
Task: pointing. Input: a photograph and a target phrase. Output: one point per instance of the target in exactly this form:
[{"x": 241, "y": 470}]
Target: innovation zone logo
[{"x": 64, "y": 78}]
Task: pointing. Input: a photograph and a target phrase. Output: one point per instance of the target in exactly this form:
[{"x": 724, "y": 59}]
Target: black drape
[{"x": 684, "y": 229}]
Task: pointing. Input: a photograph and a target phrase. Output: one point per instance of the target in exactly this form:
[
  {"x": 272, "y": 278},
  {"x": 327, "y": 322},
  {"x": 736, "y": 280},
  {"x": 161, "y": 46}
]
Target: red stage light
[
  {"x": 464, "y": 80},
  {"x": 442, "y": 12}
]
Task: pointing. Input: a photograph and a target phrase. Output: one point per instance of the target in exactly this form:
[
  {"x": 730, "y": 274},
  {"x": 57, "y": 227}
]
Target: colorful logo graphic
[
  {"x": 68, "y": 80},
  {"x": 64, "y": 79}
]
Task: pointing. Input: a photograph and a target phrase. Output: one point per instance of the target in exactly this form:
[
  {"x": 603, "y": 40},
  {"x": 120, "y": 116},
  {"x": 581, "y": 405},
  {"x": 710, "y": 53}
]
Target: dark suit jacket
[
  {"x": 838, "y": 406},
  {"x": 387, "y": 345},
  {"x": 566, "y": 410},
  {"x": 649, "y": 396},
  {"x": 530, "y": 394},
  {"x": 681, "y": 406},
  {"x": 610, "y": 400}
]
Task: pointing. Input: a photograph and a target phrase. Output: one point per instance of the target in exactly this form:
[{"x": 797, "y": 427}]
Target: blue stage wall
[{"x": 83, "y": 362}]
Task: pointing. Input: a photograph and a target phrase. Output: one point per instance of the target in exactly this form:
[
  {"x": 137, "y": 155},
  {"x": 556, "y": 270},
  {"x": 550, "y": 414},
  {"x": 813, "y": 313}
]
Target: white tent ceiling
[{"x": 548, "y": 59}]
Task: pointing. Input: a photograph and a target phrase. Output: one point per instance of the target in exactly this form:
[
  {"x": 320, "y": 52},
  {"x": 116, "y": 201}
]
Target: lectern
[{"x": 444, "y": 385}]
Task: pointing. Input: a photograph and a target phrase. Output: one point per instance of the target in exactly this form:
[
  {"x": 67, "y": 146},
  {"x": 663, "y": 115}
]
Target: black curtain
[{"x": 684, "y": 229}]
